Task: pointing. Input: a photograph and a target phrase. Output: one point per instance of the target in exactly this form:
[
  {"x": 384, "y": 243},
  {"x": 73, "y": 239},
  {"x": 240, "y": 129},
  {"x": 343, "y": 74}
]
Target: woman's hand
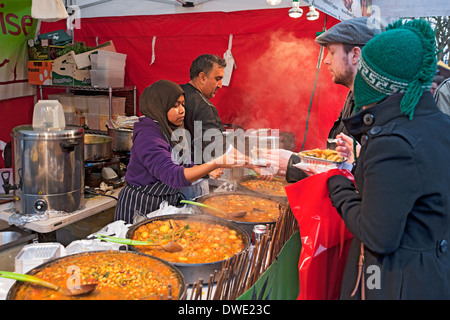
[
  {"x": 345, "y": 147},
  {"x": 231, "y": 159},
  {"x": 216, "y": 174}
]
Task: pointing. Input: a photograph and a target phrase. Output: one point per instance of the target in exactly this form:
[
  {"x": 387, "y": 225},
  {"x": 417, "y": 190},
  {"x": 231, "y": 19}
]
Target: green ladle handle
[
  {"x": 28, "y": 278},
  {"x": 124, "y": 241},
  {"x": 199, "y": 204}
]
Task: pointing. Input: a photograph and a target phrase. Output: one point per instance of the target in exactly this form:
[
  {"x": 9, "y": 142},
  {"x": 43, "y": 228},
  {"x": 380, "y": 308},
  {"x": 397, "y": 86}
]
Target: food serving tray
[{"x": 315, "y": 160}]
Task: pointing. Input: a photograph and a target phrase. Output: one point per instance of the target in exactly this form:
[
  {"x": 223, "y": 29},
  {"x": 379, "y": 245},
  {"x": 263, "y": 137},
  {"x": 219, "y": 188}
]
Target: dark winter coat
[{"x": 401, "y": 207}]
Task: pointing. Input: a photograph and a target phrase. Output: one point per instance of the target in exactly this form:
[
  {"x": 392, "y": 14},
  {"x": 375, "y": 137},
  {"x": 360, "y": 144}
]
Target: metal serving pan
[
  {"x": 69, "y": 258},
  {"x": 247, "y": 226},
  {"x": 194, "y": 271},
  {"x": 276, "y": 197}
]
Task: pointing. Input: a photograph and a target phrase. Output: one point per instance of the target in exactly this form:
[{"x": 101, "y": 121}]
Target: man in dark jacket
[
  {"x": 398, "y": 210},
  {"x": 202, "y": 120},
  {"x": 206, "y": 74}
]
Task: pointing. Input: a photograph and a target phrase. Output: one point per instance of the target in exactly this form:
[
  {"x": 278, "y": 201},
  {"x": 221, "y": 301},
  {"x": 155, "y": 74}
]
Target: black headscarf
[{"x": 156, "y": 101}]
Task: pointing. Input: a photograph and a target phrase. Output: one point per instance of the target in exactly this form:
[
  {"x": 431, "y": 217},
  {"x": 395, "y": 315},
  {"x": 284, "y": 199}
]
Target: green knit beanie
[{"x": 401, "y": 59}]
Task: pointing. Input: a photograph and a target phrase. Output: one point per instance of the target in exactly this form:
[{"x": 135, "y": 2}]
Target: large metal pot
[
  {"x": 122, "y": 139},
  {"x": 49, "y": 169},
  {"x": 245, "y": 225},
  {"x": 97, "y": 147},
  {"x": 194, "y": 271},
  {"x": 267, "y": 193},
  {"x": 71, "y": 260}
]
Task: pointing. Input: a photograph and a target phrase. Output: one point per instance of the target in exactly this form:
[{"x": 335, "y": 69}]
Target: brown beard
[{"x": 346, "y": 78}]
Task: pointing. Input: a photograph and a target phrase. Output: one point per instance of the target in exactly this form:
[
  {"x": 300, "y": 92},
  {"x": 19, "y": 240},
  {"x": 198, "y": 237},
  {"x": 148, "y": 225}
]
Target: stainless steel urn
[{"x": 48, "y": 169}]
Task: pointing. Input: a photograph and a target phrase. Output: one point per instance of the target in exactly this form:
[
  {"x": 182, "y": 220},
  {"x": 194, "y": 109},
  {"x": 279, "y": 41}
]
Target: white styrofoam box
[
  {"x": 35, "y": 254},
  {"x": 107, "y": 78}
]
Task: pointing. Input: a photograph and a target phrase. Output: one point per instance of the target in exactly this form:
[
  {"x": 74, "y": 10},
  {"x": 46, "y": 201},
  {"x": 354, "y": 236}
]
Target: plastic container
[
  {"x": 107, "y": 60},
  {"x": 35, "y": 254},
  {"x": 69, "y": 114},
  {"x": 48, "y": 115},
  {"x": 92, "y": 121},
  {"x": 81, "y": 103},
  {"x": 79, "y": 118},
  {"x": 69, "y": 117},
  {"x": 66, "y": 99},
  {"x": 107, "y": 78},
  {"x": 93, "y": 104},
  {"x": 118, "y": 106},
  {"x": 103, "y": 105}
]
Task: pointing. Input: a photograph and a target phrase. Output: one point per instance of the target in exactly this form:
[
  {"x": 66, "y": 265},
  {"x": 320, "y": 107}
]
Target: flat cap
[{"x": 357, "y": 31}]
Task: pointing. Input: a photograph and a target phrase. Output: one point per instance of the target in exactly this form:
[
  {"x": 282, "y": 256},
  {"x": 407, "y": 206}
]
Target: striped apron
[{"x": 144, "y": 199}]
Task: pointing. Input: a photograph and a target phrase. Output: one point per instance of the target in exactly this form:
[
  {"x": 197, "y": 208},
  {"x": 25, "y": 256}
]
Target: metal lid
[{"x": 27, "y": 132}]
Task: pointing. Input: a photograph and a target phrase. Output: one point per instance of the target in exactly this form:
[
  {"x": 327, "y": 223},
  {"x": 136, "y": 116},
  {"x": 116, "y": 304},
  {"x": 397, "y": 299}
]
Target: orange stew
[
  {"x": 274, "y": 187},
  {"x": 257, "y": 209},
  {"x": 202, "y": 242},
  {"x": 122, "y": 276}
]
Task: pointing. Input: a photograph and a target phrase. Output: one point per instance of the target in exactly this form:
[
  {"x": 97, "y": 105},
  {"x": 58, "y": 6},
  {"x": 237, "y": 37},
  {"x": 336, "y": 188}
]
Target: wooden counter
[{"x": 92, "y": 206}]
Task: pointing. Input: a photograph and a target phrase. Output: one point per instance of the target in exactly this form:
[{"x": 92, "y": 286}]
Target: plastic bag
[{"x": 325, "y": 238}]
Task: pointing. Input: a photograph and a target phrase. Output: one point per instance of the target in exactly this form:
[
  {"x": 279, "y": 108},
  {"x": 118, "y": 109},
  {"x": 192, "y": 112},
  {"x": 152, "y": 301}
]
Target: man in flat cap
[{"x": 343, "y": 42}]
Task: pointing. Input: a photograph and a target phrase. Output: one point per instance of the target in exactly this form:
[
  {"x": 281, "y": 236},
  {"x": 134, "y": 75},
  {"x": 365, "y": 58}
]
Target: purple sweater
[{"x": 151, "y": 158}]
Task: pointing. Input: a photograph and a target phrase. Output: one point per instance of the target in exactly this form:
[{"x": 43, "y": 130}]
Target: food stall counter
[{"x": 92, "y": 206}]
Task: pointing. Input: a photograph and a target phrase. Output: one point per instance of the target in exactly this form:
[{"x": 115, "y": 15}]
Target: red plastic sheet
[{"x": 325, "y": 238}]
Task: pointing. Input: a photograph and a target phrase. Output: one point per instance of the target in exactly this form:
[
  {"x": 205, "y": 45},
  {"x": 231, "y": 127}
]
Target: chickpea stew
[
  {"x": 202, "y": 242},
  {"x": 120, "y": 276}
]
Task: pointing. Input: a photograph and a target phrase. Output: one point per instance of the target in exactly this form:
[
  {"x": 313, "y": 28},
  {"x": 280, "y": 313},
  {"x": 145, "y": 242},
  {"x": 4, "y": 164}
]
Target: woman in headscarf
[
  {"x": 156, "y": 171},
  {"x": 398, "y": 210}
]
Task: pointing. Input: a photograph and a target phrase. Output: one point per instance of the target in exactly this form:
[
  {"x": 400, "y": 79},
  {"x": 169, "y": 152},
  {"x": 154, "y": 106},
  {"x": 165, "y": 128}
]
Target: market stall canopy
[
  {"x": 341, "y": 10},
  {"x": 105, "y": 8}
]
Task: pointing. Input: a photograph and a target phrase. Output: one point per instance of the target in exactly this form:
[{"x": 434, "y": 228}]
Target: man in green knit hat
[{"x": 398, "y": 208}]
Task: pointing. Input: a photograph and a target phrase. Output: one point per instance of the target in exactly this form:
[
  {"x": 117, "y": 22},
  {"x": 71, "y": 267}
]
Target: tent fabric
[{"x": 275, "y": 54}]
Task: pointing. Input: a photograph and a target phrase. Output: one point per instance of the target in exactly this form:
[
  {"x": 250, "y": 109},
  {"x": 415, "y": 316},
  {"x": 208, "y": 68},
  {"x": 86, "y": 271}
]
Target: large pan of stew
[
  {"x": 258, "y": 209},
  {"x": 274, "y": 188},
  {"x": 120, "y": 275},
  {"x": 207, "y": 242}
]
